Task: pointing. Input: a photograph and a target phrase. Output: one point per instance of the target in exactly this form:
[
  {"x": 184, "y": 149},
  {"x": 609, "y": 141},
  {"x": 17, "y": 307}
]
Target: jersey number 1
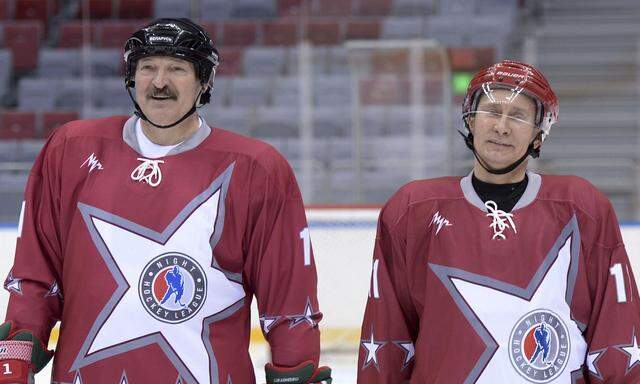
[
  {"x": 7, "y": 369},
  {"x": 616, "y": 271},
  {"x": 306, "y": 243}
]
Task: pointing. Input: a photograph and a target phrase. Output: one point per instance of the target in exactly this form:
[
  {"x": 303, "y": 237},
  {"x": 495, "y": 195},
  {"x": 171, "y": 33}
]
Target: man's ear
[{"x": 537, "y": 142}]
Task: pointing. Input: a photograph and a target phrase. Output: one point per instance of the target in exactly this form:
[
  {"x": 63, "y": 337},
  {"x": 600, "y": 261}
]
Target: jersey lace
[
  {"x": 501, "y": 220},
  {"x": 148, "y": 171}
]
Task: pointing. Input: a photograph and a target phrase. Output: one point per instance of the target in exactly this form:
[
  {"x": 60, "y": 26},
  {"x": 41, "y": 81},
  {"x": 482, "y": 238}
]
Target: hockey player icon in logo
[
  {"x": 175, "y": 284},
  {"x": 541, "y": 335}
]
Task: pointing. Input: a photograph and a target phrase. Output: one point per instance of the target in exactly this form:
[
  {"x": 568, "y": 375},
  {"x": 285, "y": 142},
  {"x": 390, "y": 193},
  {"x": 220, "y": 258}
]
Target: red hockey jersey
[
  {"x": 464, "y": 293},
  {"x": 151, "y": 264}
]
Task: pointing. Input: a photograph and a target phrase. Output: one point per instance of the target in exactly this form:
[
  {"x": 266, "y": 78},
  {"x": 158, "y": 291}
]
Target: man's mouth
[
  {"x": 161, "y": 97},
  {"x": 499, "y": 143}
]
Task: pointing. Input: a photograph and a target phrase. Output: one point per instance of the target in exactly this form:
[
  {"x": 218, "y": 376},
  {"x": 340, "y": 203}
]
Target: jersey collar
[
  {"x": 129, "y": 136},
  {"x": 533, "y": 186}
]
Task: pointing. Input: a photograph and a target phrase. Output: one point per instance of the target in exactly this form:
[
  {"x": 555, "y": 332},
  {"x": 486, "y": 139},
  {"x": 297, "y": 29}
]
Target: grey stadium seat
[
  {"x": 402, "y": 27},
  {"x": 59, "y": 62},
  {"x": 5, "y": 71},
  {"x": 215, "y": 9},
  {"x": 264, "y": 61},
  {"x": 37, "y": 93},
  {"x": 332, "y": 90},
  {"x": 278, "y": 122},
  {"x": 285, "y": 92},
  {"x": 111, "y": 93},
  {"x": 106, "y": 61},
  {"x": 170, "y": 8},
  {"x": 250, "y": 91},
  {"x": 331, "y": 121},
  {"x": 237, "y": 119},
  {"x": 70, "y": 94},
  {"x": 254, "y": 8}
]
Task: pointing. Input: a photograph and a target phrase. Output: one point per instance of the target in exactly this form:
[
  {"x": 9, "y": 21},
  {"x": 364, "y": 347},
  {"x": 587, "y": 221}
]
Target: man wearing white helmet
[{"x": 504, "y": 275}]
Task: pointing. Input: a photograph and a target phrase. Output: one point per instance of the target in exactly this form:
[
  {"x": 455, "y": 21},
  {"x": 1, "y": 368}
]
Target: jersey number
[
  {"x": 616, "y": 271},
  {"x": 306, "y": 243},
  {"x": 7, "y": 369}
]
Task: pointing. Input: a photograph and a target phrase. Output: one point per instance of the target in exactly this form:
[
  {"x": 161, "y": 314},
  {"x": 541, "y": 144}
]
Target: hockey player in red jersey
[
  {"x": 505, "y": 275},
  {"x": 147, "y": 237}
]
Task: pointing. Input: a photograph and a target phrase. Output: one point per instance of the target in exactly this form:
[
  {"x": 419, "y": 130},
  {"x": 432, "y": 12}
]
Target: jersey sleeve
[
  {"x": 390, "y": 324},
  {"x": 613, "y": 330},
  {"x": 282, "y": 272},
  {"x": 35, "y": 301}
]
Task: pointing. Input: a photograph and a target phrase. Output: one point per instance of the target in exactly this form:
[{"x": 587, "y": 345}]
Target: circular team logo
[
  {"x": 539, "y": 346},
  {"x": 172, "y": 287}
]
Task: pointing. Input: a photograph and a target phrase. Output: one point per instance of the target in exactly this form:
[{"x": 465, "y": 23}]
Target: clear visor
[{"x": 494, "y": 105}]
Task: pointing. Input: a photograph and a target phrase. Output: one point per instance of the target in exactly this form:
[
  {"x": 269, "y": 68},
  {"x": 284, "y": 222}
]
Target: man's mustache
[{"x": 164, "y": 92}]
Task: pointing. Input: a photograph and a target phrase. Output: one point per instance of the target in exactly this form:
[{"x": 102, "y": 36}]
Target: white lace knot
[
  {"x": 501, "y": 220},
  {"x": 148, "y": 171}
]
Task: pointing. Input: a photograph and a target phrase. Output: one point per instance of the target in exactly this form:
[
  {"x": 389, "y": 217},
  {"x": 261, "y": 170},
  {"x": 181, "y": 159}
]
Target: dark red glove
[{"x": 304, "y": 373}]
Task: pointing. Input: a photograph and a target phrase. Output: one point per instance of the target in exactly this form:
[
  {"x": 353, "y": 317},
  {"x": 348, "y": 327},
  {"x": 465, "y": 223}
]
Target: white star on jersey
[
  {"x": 633, "y": 351},
  {"x": 372, "y": 348},
  {"x": 409, "y": 350},
  {"x": 131, "y": 252},
  {"x": 268, "y": 322},
  {"x": 13, "y": 284},
  {"x": 307, "y": 316},
  {"x": 502, "y": 312},
  {"x": 592, "y": 364}
]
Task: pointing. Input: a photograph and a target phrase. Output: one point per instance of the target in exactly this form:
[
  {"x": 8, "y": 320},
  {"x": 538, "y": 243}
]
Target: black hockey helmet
[{"x": 181, "y": 38}]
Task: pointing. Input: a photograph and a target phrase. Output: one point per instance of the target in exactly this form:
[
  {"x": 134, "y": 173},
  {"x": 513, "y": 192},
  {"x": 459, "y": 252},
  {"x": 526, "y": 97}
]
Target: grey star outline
[
  {"x": 597, "y": 374},
  {"x": 571, "y": 233},
  {"x": 264, "y": 318},
  {"x": 634, "y": 339},
  {"x": 299, "y": 319},
  {"x": 220, "y": 183},
  {"x": 380, "y": 343},
  {"x": 54, "y": 290},
  {"x": 13, "y": 284},
  {"x": 401, "y": 344},
  {"x": 123, "y": 378}
]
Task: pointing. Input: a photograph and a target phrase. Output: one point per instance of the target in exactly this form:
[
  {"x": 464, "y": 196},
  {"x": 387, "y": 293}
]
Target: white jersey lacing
[
  {"x": 148, "y": 171},
  {"x": 501, "y": 220}
]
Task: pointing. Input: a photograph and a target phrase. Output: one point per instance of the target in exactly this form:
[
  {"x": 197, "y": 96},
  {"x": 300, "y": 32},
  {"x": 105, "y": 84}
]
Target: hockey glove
[
  {"x": 304, "y": 373},
  {"x": 21, "y": 355}
]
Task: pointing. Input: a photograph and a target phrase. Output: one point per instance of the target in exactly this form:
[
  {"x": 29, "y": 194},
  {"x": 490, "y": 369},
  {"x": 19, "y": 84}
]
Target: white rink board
[{"x": 343, "y": 245}]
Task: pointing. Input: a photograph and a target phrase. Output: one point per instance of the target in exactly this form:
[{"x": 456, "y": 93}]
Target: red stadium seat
[
  {"x": 5, "y": 10},
  {"x": 136, "y": 9},
  {"x": 33, "y": 9},
  {"x": 17, "y": 125},
  {"x": 98, "y": 9},
  {"x": 212, "y": 30},
  {"x": 333, "y": 7},
  {"x": 470, "y": 58},
  {"x": 324, "y": 32},
  {"x": 280, "y": 32},
  {"x": 113, "y": 34},
  {"x": 363, "y": 29},
  {"x": 289, "y": 7},
  {"x": 231, "y": 61},
  {"x": 71, "y": 34},
  {"x": 375, "y": 7},
  {"x": 239, "y": 33},
  {"x": 54, "y": 119},
  {"x": 385, "y": 90},
  {"x": 23, "y": 39}
]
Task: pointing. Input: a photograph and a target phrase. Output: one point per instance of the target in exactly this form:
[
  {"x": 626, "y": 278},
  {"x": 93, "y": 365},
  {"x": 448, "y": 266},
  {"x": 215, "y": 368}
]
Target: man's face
[
  {"x": 503, "y": 127},
  {"x": 166, "y": 88}
]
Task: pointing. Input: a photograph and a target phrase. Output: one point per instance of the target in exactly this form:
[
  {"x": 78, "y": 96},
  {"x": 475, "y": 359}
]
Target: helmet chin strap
[
  {"x": 138, "y": 112},
  {"x": 502, "y": 171}
]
